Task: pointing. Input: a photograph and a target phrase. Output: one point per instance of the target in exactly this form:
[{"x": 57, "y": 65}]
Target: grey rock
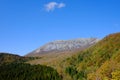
[{"x": 65, "y": 45}]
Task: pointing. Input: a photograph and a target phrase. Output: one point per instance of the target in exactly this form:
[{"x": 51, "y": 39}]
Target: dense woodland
[
  {"x": 22, "y": 71},
  {"x": 99, "y": 62},
  {"x": 14, "y": 67}
]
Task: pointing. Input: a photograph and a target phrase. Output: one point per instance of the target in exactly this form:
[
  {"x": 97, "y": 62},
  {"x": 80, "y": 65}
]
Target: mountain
[
  {"x": 54, "y": 53},
  {"x": 64, "y": 46},
  {"x": 99, "y": 62}
]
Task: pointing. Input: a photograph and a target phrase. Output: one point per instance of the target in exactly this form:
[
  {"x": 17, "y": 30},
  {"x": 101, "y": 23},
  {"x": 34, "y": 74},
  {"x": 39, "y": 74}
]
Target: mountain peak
[{"x": 65, "y": 45}]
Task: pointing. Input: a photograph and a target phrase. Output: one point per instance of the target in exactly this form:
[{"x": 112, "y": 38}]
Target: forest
[
  {"x": 99, "y": 62},
  {"x": 22, "y": 71},
  {"x": 13, "y": 67}
]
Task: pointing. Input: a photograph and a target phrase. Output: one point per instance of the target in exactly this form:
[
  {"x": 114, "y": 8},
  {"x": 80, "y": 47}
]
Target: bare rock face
[{"x": 64, "y": 45}]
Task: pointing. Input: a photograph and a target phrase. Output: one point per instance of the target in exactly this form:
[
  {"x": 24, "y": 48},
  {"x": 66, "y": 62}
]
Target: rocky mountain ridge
[{"x": 65, "y": 45}]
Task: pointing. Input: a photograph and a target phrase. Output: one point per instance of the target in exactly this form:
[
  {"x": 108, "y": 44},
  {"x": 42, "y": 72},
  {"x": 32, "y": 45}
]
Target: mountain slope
[
  {"x": 54, "y": 53},
  {"x": 63, "y": 46},
  {"x": 99, "y": 62}
]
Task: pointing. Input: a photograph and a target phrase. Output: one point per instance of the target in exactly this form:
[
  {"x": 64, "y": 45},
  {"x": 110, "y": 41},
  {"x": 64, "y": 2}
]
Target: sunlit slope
[{"x": 99, "y": 62}]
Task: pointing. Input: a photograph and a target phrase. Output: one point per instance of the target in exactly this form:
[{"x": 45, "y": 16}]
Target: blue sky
[{"x": 27, "y": 24}]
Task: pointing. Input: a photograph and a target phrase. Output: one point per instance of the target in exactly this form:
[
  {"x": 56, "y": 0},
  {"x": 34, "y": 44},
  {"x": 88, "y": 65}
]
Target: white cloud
[
  {"x": 61, "y": 5},
  {"x": 50, "y": 6},
  {"x": 53, "y": 5}
]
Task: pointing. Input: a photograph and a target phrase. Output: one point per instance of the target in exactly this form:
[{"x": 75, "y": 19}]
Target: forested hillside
[
  {"x": 99, "y": 62},
  {"x": 14, "y": 67},
  {"x": 11, "y": 58},
  {"x": 22, "y": 71}
]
